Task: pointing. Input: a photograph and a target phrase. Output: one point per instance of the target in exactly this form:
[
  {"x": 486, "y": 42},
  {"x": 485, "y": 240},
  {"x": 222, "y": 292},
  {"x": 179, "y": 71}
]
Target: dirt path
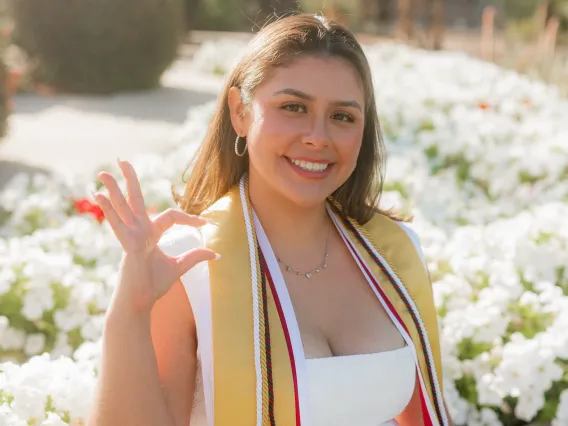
[{"x": 75, "y": 134}]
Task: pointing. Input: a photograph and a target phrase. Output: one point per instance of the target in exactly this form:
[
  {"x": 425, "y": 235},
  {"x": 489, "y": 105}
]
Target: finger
[
  {"x": 111, "y": 215},
  {"x": 189, "y": 259},
  {"x": 135, "y": 197},
  {"x": 169, "y": 217},
  {"x": 117, "y": 198}
]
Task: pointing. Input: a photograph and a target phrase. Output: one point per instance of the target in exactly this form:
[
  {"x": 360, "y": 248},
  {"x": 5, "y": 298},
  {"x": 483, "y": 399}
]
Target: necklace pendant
[{"x": 308, "y": 275}]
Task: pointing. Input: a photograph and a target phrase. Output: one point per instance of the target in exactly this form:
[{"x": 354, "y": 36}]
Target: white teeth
[{"x": 310, "y": 167}]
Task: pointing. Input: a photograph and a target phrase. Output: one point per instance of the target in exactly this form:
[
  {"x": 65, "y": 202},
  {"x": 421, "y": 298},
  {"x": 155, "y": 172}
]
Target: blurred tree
[
  {"x": 221, "y": 15},
  {"x": 559, "y": 9},
  {"x": 405, "y": 24},
  {"x": 102, "y": 46},
  {"x": 437, "y": 23},
  {"x": 434, "y": 22},
  {"x": 384, "y": 12},
  {"x": 191, "y": 12},
  {"x": 375, "y": 15},
  {"x": 370, "y": 12}
]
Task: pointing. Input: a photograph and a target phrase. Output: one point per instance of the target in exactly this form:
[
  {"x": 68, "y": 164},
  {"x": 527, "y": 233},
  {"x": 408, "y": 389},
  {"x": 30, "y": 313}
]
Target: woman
[{"x": 313, "y": 308}]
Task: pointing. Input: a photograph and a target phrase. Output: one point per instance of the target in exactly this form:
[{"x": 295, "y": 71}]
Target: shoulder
[
  {"x": 179, "y": 239},
  {"x": 380, "y": 222},
  {"x": 412, "y": 234}
]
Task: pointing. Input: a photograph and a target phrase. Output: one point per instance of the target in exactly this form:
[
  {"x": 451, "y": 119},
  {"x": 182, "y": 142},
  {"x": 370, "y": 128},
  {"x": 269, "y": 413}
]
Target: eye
[
  {"x": 342, "y": 116},
  {"x": 294, "y": 108}
]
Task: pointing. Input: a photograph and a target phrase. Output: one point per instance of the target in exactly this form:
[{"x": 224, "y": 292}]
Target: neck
[{"x": 297, "y": 234}]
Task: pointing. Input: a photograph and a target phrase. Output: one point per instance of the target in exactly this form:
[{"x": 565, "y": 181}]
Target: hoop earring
[{"x": 241, "y": 153}]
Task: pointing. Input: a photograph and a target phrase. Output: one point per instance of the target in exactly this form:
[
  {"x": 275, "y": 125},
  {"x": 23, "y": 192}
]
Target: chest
[{"x": 337, "y": 310}]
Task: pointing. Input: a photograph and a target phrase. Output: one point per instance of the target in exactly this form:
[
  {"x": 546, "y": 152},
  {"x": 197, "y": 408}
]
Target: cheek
[
  {"x": 270, "y": 130},
  {"x": 349, "y": 149}
]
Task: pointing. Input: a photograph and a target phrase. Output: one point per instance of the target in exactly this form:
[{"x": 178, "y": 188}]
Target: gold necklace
[{"x": 317, "y": 270}]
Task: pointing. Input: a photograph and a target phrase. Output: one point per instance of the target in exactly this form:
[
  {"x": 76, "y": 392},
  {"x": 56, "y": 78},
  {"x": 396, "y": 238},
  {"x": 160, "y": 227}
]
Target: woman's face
[{"x": 304, "y": 128}]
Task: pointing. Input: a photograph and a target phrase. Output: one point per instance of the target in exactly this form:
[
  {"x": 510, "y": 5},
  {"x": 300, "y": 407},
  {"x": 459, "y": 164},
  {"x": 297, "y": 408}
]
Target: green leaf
[
  {"x": 467, "y": 389},
  {"x": 468, "y": 349}
]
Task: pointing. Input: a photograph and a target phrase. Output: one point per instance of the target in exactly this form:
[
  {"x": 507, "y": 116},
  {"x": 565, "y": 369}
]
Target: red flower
[
  {"x": 484, "y": 105},
  {"x": 86, "y": 206}
]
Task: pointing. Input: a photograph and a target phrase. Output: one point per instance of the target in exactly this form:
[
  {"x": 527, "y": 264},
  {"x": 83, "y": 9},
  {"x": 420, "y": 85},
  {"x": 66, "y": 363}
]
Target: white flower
[
  {"x": 36, "y": 301},
  {"x": 9, "y": 418},
  {"x": 90, "y": 352},
  {"x": 528, "y": 405},
  {"x": 562, "y": 413},
  {"x": 457, "y": 406},
  {"x": 53, "y": 419},
  {"x": 68, "y": 384},
  {"x": 488, "y": 390},
  {"x": 485, "y": 417},
  {"x": 74, "y": 315},
  {"x": 34, "y": 344},
  {"x": 61, "y": 347},
  {"x": 11, "y": 338},
  {"x": 7, "y": 278},
  {"x": 72, "y": 391},
  {"x": 29, "y": 402},
  {"x": 489, "y": 417},
  {"x": 92, "y": 330}
]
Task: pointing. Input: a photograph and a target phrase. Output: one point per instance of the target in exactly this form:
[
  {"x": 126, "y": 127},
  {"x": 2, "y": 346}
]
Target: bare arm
[
  {"x": 149, "y": 328},
  {"x": 175, "y": 344},
  {"x": 148, "y": 366}
]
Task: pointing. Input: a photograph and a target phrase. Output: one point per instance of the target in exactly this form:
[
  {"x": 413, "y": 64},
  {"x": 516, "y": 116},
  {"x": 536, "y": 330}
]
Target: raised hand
[{"x": 147, "y": 273}]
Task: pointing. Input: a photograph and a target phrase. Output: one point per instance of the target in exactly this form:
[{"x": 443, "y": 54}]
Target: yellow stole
[{"x": 257, "y": 362}]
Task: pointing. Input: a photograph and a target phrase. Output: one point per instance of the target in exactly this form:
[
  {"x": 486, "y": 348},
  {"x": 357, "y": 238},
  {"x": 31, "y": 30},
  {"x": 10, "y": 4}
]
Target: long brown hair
[{"x": 217, "y": 169}]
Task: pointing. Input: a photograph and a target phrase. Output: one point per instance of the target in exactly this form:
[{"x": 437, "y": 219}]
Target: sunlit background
[{"x": 472, "y": 101}]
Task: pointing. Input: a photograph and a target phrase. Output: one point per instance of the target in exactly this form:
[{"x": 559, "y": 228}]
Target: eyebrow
[{"x": 303, "y": 95}]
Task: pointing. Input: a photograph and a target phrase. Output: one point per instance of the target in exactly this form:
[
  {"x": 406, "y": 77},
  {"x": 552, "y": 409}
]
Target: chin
[{"x": 306, "y": 196}]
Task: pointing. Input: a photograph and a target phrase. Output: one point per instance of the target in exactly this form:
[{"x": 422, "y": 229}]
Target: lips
[{"x": 310, "y": 168}]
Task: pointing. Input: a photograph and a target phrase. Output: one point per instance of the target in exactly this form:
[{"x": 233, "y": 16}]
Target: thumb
[{"x": 189, "y": 259}]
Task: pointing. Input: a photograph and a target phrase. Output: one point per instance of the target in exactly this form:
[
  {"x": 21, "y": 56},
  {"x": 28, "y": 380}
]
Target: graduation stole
[{"x": 257, "y": 372}]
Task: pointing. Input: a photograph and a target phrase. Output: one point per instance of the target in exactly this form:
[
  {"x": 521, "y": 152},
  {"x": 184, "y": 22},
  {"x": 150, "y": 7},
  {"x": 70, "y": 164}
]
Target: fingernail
[{"x": 217, "y": 256}]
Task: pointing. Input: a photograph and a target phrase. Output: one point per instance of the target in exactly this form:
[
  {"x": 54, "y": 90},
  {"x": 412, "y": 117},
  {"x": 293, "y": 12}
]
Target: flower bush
[{"x": 477, "y": 154}]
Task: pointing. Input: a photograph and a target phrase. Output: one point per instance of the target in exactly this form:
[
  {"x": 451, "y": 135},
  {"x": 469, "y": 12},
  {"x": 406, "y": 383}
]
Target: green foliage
[
  {"x": 528, "y": 322},
  {"x": 469, "y": 349},
  {"x": 559, "y": 8},
  {"x": 235, "y": 15},
  {"x": 552, "y": 398},
  {"x": 98, "y": 46},
  {"x": 223, "y": 15},
  {"x": 5, "y": 397},
  {"x": 519, "y": 9},
  {"x": 11, "y": 305},
  {"x": 467, "y": 388}
]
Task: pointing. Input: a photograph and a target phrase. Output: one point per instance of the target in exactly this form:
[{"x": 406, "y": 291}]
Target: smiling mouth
[{"x": 309, "y": 166}]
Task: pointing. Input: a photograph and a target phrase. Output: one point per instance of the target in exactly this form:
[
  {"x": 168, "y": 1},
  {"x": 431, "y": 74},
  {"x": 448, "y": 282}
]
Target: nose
[{"x": 317, "y": 136}]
